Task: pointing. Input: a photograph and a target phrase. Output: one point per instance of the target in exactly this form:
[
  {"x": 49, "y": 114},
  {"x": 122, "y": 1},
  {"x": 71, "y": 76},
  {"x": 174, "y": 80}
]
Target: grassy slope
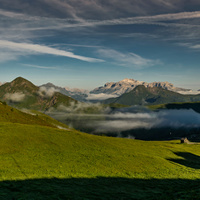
[
  {"x": 69, "y": 160},
  {"x": 48, "y": 152},
  {"x": 67, "y": 164},
  {"x": 10, "y": 114}
]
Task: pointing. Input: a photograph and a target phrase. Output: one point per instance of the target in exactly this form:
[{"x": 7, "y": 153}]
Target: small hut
[{"x": 184, "y": 140}]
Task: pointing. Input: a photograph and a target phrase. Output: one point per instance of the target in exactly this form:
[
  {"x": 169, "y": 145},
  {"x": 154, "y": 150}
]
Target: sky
[{"x": 86, "y": 43}]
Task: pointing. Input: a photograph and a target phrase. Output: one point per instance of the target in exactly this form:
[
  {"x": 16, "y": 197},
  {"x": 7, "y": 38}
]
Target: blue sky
[{"x": 84, "y": 43}]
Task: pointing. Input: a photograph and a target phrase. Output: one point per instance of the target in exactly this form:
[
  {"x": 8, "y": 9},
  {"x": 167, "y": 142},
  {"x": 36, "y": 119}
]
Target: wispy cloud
[
  {"x": 41, "y": 23},
  {"x": 196, "y": 46},
  {"x": 11, "y": 14},
  {"x": 190, "y": 45},
  {"x": 41, "y": 49},
  {"x": 129, "y": 60},
  {"x": 148, "y": 19},
  {"x": 39, "y": 67},
  {"x": 23, "y": 26},
  {"x": 96, "y": 9},
  {"x": 84, "y": 46},
  {"x": 101, "y": 96}
]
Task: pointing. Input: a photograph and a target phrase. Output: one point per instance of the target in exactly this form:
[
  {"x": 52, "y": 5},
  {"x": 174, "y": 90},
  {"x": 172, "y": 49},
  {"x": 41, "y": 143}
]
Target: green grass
[
  {"x": 10, "y": 114},
  {"x": 58, "y": 153},
  {"x": 32, "y": 152},
  {"x": 43, "y": 162}
]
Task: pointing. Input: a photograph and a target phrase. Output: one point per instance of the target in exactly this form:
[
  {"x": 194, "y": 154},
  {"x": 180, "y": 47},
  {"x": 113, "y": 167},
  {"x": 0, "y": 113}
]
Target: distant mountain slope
[
  {"x": 77, "y": 94},
  {"x": 21, "y": 93},
  {"x": 152, "y": 95},
  {"x": 188, "y": 105},
  {"x": 126, "y": 85},
  {"x": 111, "y": 89}
]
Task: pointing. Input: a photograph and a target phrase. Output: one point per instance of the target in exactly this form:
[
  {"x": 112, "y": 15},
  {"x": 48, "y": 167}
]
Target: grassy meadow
[{"x": 40, "y": 161}]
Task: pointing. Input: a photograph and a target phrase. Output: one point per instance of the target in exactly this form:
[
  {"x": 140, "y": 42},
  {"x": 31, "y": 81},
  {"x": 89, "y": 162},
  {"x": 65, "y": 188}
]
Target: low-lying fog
[{"x": 134, "y": 122}]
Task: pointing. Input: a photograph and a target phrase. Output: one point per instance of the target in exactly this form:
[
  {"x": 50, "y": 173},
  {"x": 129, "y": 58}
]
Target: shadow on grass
[
  {"x": 189, "y": 160},
  {"x": 100, "y": 188}
]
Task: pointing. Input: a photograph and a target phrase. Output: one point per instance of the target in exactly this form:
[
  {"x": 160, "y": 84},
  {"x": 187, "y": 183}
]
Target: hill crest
[{"x": 21, "y": 93}]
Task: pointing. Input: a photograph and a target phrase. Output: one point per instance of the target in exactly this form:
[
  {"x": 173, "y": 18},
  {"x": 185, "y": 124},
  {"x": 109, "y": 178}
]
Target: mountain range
[
  {"x": 113, "y": 89},
  {"x": 21, "y": 93},
  {"x": 142, "y": 95},
  {"x": 126, "y": 85},
  {"x": 75, "y": 93}
]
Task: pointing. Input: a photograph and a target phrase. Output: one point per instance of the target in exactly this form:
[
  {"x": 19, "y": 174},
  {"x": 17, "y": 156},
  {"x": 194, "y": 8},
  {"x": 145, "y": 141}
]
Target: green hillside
[
  {"x": 10, "y": 114},
  {"x": 151, "y": 96},
  {"x": 43, "y": 162},
  {"x": 21, "y": 93}
]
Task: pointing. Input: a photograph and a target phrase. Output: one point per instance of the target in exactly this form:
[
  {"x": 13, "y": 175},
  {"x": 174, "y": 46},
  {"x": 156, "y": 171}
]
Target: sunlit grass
[
  {"x": 67, "y": 164},
  {"x": 31, "y": 151}
]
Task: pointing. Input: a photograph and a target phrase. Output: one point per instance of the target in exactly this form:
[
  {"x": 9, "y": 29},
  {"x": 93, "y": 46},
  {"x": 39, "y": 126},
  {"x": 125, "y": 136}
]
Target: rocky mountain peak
[
  {"x": 20, "y": 84},
  {"x": 126, "y": 85}
]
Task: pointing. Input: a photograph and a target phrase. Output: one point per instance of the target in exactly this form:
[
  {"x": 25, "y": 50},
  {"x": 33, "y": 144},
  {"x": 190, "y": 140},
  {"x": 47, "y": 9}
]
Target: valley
[
  {"x": 131, "y": 152},
  {"x": 147, "y": 113},
  {"x": 99, "y": 100}
]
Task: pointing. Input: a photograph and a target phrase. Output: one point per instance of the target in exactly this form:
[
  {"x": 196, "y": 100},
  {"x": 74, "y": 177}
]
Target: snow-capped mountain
[
  {"x": 126, "y": 85},
  {"x": 113, "y": 89}
]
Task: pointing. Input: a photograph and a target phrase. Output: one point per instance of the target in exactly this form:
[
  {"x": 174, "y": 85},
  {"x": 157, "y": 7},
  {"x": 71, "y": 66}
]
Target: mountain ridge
[
  {"x": 151, "y": 96},
  {"x": 78, "y": 94},
  {"x": 126, "y": 85},
  {"x": 21, "y": 93},
  {"x": 112, "y": 89}
]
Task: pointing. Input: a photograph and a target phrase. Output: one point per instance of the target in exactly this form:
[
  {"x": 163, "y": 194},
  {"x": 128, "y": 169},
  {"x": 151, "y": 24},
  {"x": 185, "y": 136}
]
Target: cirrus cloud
[
  {"x": 129, "y": 60},
  {"x": 42, "y": 49}
]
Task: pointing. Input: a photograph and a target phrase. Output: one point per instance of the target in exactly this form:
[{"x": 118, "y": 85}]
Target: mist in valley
[{"x": 132, "y": 122}]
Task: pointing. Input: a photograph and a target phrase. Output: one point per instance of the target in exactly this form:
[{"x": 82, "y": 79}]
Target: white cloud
[
  {"x": 39, "y": 67},
  {"x": 79, "y": 107},
  {"x": 120, "y": 125},
  {"x": 190, "y": 46},
  {"x": 16, "y": 97},
  {"x": 23, "y": 27},
  {"x": 118, "y": 122},
  {"x": 8, "y": 55},
  {"x": 189, "y": 92},
  {"x": 16, "y": 26},
  {"x": 130, "y": 59},
  {"x": 36, "y": 48},
  {"x": 196, "y": 46},
  {"x": 141, "y": 20},
  {"x": 12, "y": 14},
  {"x": 101, "y": 96},
  {"x": 42, "y": 23},
  {"x": 47, "y": 92}
]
